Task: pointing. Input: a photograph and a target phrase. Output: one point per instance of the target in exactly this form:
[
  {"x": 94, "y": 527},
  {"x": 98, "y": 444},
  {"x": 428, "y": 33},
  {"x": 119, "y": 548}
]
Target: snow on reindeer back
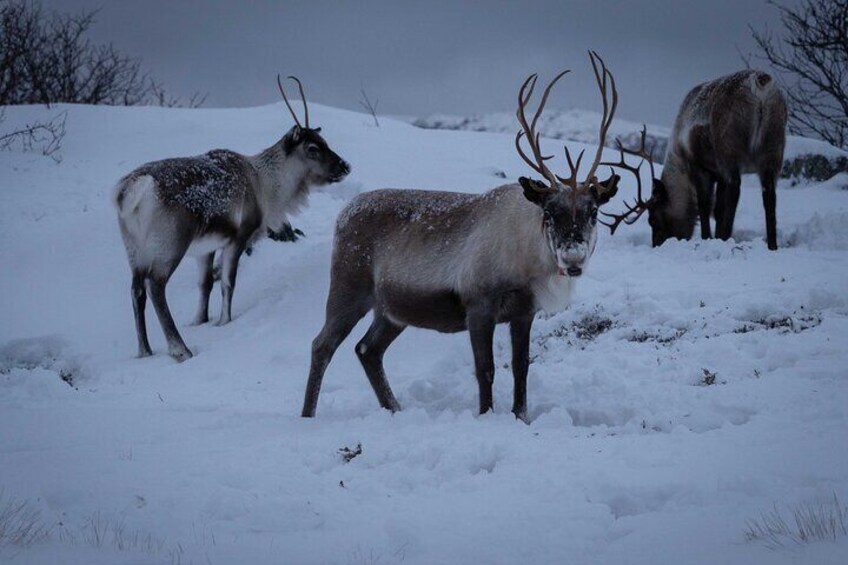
[
  {"x": 205, "y": 185},
  {"x": 415, "y": 206}
]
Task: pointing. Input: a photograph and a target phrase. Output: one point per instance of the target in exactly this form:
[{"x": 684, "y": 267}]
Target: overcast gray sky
[{"x": 419, "y": 58}]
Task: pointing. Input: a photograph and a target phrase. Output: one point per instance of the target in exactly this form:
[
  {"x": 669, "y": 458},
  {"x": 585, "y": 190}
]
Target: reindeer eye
[{"x": 312, "y": 151}]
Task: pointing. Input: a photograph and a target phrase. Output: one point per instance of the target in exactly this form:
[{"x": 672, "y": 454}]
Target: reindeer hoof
[
  {"x": 222, "y": 322},
  {"x": 181, "y": 355},
  {"x": 142, "y": 353},
  {"x": 199, "y": 321}
]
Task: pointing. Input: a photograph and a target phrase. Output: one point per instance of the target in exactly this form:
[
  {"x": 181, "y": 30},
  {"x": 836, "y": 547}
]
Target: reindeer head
[
  {"x": 323, "y": 165},
  {"x": 569, "y": 207},
  {"x": 662, "y": 224}
]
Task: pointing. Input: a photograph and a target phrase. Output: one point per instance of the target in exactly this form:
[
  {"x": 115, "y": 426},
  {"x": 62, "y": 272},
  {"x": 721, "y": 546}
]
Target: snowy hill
[
  {"x": 573, "y": 125},
  {"x": 804, "y": 159},
  {"x": 688, "y": 390}
]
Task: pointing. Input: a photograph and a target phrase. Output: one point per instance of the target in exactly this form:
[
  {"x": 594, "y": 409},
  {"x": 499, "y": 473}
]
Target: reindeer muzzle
[{"x": 340, "y": 171}]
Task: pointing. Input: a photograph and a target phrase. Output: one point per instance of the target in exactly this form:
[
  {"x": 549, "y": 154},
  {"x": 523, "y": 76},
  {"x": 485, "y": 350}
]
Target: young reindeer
[
  {"x": 451, "y": 262},
  {"x": 219, "y": 200},
  {"x": 733, "y": 125}
]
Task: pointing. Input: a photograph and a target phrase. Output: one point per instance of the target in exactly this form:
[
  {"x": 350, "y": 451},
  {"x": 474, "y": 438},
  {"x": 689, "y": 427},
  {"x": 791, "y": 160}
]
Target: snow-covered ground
[{"x": 632, "y": 456}]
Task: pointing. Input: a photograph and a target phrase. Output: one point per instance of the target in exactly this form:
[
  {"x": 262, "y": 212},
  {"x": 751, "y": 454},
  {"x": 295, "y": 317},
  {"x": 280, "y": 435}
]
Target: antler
[
  {"x": 601, "y": 77},
  {"x": 606, "y": 82},
  {"x": 639, "y": 205},
  {"x": 529, "y": 131},
  {"x": 302, "y": 97}
]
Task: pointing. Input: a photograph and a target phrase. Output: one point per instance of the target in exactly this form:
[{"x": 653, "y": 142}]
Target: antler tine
[
  {"x": 545, "y": 97},
  {"x": 523, "y": 98},
  {"x": 286, "y": 100},
  {"x": 609, "y": 106},
  {"x": 624, "y": 217},
  {"x": 571, "y": 180},
  {"x": 640, "y": 205},
  {"x": 529, "y": 130},
  {"x": 303, "y": 99}
]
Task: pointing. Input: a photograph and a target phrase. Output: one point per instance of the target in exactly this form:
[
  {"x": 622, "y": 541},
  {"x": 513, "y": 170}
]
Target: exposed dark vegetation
[
  {"x": 708, "y": 379},
  {"x": 810, "y": 522},
  {"x": 784, "y": 324},
  {"x": 813, "y": 167},
  {"x": 347, "y": 454},
  {"x": 657, "y": 337},
  {"x": 583, "y": 330}
]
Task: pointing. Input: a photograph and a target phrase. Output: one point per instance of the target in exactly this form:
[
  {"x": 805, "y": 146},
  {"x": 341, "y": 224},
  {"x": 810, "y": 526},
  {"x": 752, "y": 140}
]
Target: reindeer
[
  {"x": 452, "y": 262},
  {"x": 733, "y": 125},
  {"x": 219, "y": 200}
]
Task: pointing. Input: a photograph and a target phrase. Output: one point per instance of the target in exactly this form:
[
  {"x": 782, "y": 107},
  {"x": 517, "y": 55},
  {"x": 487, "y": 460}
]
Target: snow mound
[
  {"x": 823, "y": 231},
  {"x": 49, "y": 353}
]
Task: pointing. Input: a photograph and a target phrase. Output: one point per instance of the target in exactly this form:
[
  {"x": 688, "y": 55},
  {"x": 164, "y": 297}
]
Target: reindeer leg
[
  {"x": 229, "y": 268},
  {"x": 481, "y": 327},
  {"x": 370, "y": 350},
  {"x": 176, "y": 346},
  {"x": 729, "y": 200},
  {"x": 204, "y": 283},
  {"x": 345, "y": 308},
  {"x": 139, "y": 298},
  {"x": 519, "y": 330},
  {"x": 769, "y": 183},
  {"x": 704, "y": 189}
]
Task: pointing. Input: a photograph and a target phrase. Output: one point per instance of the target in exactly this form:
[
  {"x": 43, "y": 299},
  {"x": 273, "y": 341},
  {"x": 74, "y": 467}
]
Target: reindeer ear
[
  {"x": 317, "y": 130},
  {"x": 603, "y": 191},
  {"x": 534, "y": 191},
  {"x": 659, "y": 194},
  {"x": 292, "y": 138}
]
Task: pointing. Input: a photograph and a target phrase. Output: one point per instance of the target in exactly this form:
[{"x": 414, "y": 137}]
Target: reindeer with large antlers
[
  {"x": 451, "y": 262},
  {"x": 732, "y": 125},
  {"x": 219, "y": 200}
]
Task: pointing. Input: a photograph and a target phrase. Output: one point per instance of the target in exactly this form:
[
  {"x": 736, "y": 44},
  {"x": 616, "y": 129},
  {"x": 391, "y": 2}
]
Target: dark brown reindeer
[
  {"x": 219, "y": 200},
  {"x": 731, "y": 126},
  {"x": 451, "y": 262}
]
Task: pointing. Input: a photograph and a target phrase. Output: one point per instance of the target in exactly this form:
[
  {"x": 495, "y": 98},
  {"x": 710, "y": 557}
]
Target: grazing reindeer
[
  {"x": 733, "y": 125},
  {"x": 220, "y": 200},
  {"x": 451, "y": 262}
]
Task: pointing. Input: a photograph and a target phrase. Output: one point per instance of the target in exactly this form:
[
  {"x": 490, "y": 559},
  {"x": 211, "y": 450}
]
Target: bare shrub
[
  {"x": 44, "y": 137},
  {"x": 810, "y": 522},
  {"x": 20, "y": 523},
  {"x": 811, "y": 56},
  {"x": 46, "y": 57},
  {"x": 370, "y": 107}
]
